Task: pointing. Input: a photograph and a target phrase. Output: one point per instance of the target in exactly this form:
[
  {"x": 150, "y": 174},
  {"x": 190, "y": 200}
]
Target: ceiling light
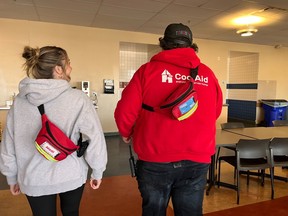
[
  {"x": 247, "y": 32},
  {"x": 248, "y": 20}
]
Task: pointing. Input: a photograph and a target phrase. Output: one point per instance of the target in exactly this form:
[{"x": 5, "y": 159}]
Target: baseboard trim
[{"x": 111, "y": 134}]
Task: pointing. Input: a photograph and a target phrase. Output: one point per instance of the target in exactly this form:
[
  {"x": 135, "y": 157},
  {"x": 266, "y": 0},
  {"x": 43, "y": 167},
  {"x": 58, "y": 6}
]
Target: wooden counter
[
  {"x": 223, "y": 117},
  {"x": 3, "y": 114}
]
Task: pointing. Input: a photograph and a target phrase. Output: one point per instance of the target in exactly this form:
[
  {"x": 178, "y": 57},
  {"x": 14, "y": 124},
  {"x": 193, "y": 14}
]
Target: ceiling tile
[{"x": 208, "y": 19}]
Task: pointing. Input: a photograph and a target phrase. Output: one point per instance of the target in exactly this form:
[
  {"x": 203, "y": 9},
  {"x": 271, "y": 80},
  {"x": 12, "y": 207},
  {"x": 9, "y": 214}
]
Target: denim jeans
[{"x": 183, "y": 181}]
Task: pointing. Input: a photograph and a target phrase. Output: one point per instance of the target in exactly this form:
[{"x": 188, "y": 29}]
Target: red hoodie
[{"x": 156, "y": 137}]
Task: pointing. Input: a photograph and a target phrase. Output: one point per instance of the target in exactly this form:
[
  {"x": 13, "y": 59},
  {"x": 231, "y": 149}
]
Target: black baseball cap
[{"x": 178, "y": 33}]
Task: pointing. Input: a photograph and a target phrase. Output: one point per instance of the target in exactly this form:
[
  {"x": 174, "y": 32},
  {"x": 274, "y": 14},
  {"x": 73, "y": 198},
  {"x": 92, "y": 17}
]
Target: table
[{"x": 261, "y": 132}]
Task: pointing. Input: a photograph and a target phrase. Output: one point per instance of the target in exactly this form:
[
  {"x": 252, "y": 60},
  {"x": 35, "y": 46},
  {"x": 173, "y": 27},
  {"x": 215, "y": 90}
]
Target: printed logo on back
[{"x": 167, "y": 77}]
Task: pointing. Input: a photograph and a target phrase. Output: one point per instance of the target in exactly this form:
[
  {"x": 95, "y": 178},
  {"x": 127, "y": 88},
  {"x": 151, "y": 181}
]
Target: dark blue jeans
[{"x": 183, "y": 181}]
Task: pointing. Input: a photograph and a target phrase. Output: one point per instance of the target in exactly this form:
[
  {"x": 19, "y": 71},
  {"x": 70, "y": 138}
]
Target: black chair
[
  {"x": 250, "y": 155},
  {"x": 279, "y": 154},
  {"x": 229, "y": 125},
  {"x": 279, "y": 123},
  {"x": 253, "y": 155},
  {"x": 231, "y": 159}
]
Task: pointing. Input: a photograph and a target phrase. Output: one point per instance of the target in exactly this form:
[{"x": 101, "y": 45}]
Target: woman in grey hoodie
[{"x": 48, "y": 74}]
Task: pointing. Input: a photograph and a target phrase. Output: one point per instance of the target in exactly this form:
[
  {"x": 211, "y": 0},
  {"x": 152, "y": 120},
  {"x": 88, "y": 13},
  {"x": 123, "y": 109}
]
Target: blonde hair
[{"x": 40, "y": 62}]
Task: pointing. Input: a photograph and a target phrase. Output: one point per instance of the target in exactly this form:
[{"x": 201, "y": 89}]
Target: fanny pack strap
[
  {"x": 42, "y": 112},
  {"x": 193, "y": 74},
  {"x": 41, "y": 109}
]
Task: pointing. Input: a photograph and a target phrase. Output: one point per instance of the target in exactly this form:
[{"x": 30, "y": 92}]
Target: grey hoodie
[{"x": 73, "y": 112}]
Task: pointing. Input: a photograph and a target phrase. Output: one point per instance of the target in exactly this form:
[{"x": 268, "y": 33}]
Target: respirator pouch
[{"x": 51, "y": 142}]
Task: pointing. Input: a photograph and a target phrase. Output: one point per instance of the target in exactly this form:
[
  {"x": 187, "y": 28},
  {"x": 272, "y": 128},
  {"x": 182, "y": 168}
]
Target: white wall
[{"x": 94, "y": 55}]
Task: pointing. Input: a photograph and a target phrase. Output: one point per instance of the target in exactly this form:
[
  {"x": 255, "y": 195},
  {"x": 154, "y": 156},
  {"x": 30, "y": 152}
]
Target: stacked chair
[
  {"x": 249, "y": 155},
  {"x": 253, "y": 155},
  {"x": 279, "y": 155}
]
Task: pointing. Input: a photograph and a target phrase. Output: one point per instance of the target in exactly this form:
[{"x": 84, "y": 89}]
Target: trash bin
[{"x": 274, "y": 110}]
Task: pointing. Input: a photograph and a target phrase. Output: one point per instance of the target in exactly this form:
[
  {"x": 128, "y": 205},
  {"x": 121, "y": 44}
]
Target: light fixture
[
  {"x": 247, "y": 32},
  {"x": 248, "y": 20}
]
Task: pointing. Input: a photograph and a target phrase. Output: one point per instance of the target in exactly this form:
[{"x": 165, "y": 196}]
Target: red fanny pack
[
  {"x": 181, "y": 103},
  {"x": 51, "y": 142}
]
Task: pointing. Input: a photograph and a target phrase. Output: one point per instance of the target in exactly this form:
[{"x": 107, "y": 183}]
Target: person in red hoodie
[{"x": 173, "y": 156}]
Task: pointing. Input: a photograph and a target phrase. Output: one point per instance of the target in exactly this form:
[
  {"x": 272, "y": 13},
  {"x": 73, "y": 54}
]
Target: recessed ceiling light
[{"x": 247, "y": 32}]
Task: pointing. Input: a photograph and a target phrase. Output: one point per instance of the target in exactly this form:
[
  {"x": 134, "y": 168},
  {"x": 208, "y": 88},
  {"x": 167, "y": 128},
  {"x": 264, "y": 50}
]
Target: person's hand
[
  {"x": 126, "y": 139},
  {"x": 15, "y": 189},
  {"x": 95, "y": 183}
]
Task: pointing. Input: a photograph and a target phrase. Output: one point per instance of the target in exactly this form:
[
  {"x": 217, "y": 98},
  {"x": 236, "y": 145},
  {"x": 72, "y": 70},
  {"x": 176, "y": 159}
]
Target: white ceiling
[{"x": 208, "y": 19}]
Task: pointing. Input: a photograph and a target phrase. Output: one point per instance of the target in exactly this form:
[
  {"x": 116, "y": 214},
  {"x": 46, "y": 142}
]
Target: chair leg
[
  {"x": 219, "y": 170},
  {"x": 272, "y": 182},
  {"x": 262, "y": 177},
  {"x": 238, "y": 187},
  {"x": 217, "y": 156},
  {"x": 248, "y": 177}
]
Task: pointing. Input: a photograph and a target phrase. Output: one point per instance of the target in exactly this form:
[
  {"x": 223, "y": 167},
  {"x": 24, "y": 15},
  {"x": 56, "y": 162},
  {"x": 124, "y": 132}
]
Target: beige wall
[{"x": 94, "y": 55}]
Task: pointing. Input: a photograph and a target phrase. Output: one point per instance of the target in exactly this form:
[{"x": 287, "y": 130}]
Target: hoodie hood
[
  {"x": 181, "y": 57},
  {"x": 41, "y": 91}
]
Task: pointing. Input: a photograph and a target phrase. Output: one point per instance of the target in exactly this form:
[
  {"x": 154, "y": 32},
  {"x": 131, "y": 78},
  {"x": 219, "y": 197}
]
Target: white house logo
[
  {"x": 180, "y": 78},
  {"x": 166, "y": 76}
]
